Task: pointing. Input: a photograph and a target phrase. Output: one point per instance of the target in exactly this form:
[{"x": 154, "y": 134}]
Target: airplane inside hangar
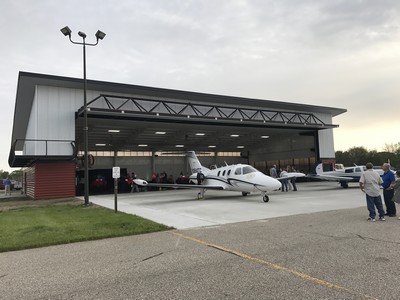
[{"x": 146, "y": 130}]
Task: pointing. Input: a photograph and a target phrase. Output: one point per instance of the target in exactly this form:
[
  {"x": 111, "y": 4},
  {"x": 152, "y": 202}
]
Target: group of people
[
  {"x": 155, "y": 178},
  {"x": 371, "y": 183},
  {"x": 287, "y": 183}
]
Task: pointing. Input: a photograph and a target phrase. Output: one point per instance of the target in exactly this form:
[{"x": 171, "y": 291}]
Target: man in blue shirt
[
  {"x": 7, "y": 186},
  {"x": 388, "y": 179}
]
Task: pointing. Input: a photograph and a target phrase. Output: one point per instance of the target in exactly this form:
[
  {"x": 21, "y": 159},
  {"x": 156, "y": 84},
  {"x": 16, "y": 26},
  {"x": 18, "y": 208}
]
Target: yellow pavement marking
[{"x": 274, "y": 266}]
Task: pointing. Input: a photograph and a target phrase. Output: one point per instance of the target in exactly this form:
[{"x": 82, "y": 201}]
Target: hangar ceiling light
[
  {"x": 114, "y": 130},
  {"x": 160, "y": 132},
  {"x": 265, "y": 136},
  {"x": 200, "y": 134},
  {"x": 234, "y": 135},
  {"x": 240, "y": 147}
]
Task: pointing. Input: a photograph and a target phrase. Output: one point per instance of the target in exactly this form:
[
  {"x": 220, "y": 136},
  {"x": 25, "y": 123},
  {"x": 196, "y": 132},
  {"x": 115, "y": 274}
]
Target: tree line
[
  {"x": 361, "y": 156},
  {"x": 14, "y": 175},
  {"x": 354, "y": 155}
]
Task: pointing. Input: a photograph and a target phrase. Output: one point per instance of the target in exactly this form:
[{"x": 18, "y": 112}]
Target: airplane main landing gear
[
  {"x": 344, "y": 184},
  {"x": 265, "y": 198},
  {"x": 200, "y": 195}
]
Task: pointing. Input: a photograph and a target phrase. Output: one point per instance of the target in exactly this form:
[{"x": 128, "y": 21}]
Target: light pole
[{"x": 99, "y": 36}]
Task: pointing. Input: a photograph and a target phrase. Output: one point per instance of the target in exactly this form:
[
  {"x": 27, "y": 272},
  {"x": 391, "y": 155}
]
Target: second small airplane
[{"x": 342, "y": 174}]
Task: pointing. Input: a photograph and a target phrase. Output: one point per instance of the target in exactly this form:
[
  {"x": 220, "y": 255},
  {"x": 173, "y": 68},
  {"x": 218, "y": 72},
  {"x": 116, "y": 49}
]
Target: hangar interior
[{"x": 146, "y": 130}]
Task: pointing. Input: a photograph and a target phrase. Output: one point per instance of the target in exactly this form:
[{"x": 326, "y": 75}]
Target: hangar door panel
[{"x": 326, "y": 146}]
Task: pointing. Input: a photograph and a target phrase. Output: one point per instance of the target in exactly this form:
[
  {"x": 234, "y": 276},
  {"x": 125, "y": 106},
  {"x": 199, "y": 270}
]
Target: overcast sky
[{"x": 334, "y": 53}]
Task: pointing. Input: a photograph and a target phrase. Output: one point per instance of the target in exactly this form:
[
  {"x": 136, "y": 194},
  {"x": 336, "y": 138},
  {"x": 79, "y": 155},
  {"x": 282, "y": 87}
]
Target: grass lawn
[{"x": 32, "y": 227}]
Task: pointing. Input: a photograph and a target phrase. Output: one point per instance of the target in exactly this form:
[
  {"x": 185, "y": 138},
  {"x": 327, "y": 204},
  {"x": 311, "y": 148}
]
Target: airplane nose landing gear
[{"x": 265, "y": 197}]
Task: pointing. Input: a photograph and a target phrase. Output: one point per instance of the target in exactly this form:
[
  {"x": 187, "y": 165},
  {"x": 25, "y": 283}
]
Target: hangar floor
[{"x": 182, "y": 210}]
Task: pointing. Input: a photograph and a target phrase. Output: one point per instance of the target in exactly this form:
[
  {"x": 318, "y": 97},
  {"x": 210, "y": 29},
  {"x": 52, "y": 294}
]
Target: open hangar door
[
  {"x": 134, "y": 133},
  {"x": 145, "y": 147}
]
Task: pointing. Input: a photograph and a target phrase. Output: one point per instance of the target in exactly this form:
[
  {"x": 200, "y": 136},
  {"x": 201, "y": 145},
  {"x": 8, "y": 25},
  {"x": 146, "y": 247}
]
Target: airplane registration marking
[{"x": 274, "y": 266}]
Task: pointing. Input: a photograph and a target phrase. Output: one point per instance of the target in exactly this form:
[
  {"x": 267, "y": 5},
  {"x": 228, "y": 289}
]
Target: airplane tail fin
[{"x": 195, "y": 165}]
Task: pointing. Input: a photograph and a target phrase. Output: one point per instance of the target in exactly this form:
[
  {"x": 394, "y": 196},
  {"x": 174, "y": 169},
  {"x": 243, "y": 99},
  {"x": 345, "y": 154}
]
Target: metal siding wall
[
  {"x": 30, "y": 181},
  {"x": 325, "y": 137},
  {"x": 53, "y": 118},
  {"x": 326, "y": 147},
  {"x": 54, "y": 180}
]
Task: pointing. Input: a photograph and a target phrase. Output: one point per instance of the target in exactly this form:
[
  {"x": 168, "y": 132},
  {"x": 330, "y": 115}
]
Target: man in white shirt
[{"x": 370, "y": 183}]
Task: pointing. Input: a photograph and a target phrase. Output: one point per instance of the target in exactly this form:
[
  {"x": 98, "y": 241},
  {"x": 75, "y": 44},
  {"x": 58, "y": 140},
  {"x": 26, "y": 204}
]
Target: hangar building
[{"x": 146, "y": 130}]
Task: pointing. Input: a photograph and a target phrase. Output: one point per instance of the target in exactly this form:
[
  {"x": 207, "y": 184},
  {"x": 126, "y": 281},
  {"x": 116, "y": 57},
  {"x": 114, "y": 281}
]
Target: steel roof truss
[{"x": 175, "y": 108}]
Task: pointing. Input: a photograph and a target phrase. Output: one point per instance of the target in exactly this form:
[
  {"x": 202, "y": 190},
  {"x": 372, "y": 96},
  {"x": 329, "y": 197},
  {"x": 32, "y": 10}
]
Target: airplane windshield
[
  {"x": 248, "y": 169},
  {"x": 238, "y": 171}
]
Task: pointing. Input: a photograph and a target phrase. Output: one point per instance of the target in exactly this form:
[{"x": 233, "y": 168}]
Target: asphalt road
[{"x": 325, "y": 255}]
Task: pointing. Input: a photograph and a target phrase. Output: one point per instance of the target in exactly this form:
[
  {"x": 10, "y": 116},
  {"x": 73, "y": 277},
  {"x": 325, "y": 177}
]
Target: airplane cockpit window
[
  {"x": 358, "y": 169},
  {"x": 248, "y": 169},
  {"x": 238, "y": 171},
  {"x": 364, "y": 168},
  {"x": 349, "y": 170}
]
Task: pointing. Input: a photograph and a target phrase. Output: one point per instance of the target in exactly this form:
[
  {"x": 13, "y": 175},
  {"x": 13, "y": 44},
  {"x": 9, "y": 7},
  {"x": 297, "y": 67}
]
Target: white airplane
[
  {"x": 342, "y": 174},
  {"x": 241, "y": 178}
]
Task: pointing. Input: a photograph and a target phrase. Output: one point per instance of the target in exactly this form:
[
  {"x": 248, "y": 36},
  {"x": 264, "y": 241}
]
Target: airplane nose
[
  {"x": 277, "y": 185},
  {"x": 140, "y": 182}
]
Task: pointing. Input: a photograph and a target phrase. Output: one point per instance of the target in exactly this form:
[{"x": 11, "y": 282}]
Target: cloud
[{"x": 331, "y": 52}]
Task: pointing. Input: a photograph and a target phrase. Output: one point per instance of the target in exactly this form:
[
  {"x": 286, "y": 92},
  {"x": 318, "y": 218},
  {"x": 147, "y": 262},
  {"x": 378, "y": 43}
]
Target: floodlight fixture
[
  {"x": 82, "y": 34},
  {"x": 66, "y": 31},
  {"x": 100, "y": 35}
]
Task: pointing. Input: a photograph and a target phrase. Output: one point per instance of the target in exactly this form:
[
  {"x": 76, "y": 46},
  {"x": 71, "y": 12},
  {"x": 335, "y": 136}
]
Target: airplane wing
[
  {"x": 291, "y": 175},
  {"x": 180, "y": 186},
  {"x": 331, "y": 177}
]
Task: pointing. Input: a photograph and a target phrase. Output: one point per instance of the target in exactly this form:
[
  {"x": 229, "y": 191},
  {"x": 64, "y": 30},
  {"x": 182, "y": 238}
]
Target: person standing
[
  {"x": 134, "y": 186},
  {"x": 7, "y": 186},
  {"x": 284, "y": 180},
  {"x": 292, "y": 179},
  {"x": 396, "y": 187},
  {"x": 272, "y": 172},
  {"x": 370, "y": 182},
  {"x": 200, "y": 178},
  {"x": 388, "y": 193}
]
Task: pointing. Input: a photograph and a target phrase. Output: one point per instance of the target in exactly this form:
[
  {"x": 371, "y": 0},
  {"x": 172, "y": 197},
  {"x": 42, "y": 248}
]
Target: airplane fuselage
[
  {"x": 351, "y": 172},
  {"x": 240, "y": 177}
]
